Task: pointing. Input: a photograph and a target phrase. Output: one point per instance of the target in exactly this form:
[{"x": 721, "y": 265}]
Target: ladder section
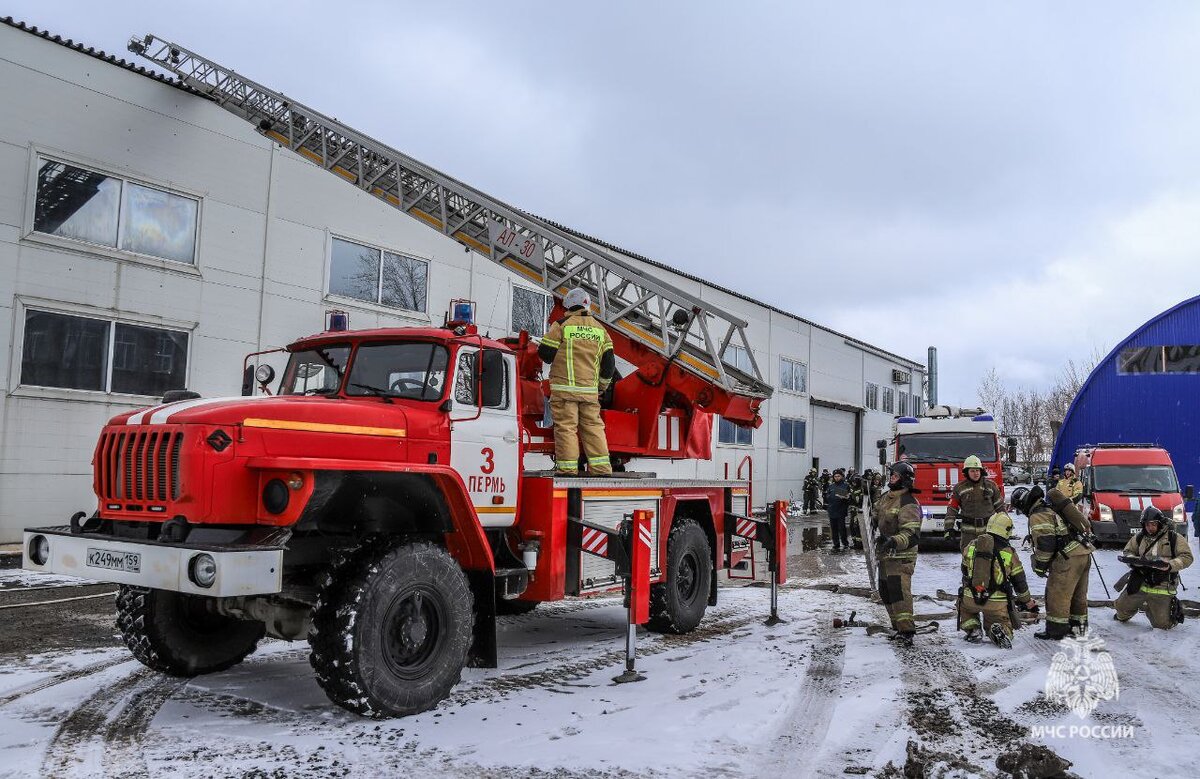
[{"x": 680, "y": 327}]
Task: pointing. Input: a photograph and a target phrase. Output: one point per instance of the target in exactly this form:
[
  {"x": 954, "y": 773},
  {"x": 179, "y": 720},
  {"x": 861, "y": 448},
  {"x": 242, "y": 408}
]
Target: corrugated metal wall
[{"x": 1154, "y": 408}]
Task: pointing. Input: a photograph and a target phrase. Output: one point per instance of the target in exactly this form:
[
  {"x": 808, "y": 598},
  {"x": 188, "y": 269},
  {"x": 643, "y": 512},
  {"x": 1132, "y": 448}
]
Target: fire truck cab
[
  {"x": 936, "y": 444},
  {"x": 1121, "y": 480}
]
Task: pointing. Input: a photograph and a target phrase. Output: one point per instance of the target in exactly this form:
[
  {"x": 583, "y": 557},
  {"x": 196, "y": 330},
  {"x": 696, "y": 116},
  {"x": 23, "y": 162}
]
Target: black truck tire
[
  {"x": 174, "y": 634},
  {"x": 677, "y": 604},
  {"x": 391, "y": 630}
]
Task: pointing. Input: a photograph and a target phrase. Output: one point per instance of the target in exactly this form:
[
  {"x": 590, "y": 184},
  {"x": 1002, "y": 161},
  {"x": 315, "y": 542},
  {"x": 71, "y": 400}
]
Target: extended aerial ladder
[{"x": 683, "y": 338}]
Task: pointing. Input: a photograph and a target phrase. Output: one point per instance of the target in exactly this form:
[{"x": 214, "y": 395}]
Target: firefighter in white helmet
[{"x": 580, "y": 353}]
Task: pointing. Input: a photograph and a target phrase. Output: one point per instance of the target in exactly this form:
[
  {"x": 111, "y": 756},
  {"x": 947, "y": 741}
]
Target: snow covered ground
[{"x": 735, "y": 698}]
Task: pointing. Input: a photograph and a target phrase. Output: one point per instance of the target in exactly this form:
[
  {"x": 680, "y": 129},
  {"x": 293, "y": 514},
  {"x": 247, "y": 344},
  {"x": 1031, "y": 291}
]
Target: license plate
[{"x": 128, "y": 562}]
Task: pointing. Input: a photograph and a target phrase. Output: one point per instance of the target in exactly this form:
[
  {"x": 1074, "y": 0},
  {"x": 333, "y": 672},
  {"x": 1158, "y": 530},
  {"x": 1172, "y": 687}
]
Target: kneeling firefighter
[
  {"x": 1062, "y": 549},
  {"x": 897, "y": 518},
  {"x": 1155, "y": 555},
  {"x": 993, "y": 584}
]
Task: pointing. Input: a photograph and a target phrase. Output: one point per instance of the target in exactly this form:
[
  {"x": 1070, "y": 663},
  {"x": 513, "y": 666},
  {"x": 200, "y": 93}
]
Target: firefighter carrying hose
[
  {"x": 580, "y": 353},
  {"x": 993, "y": 584},
  {"x": 1062, "y": 549},
  {"x": 897, "y": 517},
  {"x": 972, "y": 502},
  {"x": 1155, "y": 556}
]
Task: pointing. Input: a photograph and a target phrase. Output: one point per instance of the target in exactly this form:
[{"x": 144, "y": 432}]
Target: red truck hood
[
  {"x": 235, "y": 410},
  {"x": 1117, "y": 501}
]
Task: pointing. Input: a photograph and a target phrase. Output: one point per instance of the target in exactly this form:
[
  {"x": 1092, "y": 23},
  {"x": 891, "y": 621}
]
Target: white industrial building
[{"x": 149, "y": 240}]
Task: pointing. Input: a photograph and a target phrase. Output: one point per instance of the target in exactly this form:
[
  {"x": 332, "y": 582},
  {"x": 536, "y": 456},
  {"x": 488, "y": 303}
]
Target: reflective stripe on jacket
[{"x": 578, "y": 344}]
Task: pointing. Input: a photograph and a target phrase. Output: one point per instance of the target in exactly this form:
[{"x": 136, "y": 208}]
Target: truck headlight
[
  {"x": 202, "y": 570},
  {"x": 1105, "y": 513},
  {"x": 1178, "y": 514},
  {"x": 39, "y": 550}
]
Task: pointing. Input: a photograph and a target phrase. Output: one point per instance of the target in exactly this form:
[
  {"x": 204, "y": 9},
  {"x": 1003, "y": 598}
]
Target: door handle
[{"x": 510, "y": 438}]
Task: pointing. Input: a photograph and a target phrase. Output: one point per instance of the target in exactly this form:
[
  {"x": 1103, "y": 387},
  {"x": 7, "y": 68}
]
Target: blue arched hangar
[{"x": 1145, "y": 391}]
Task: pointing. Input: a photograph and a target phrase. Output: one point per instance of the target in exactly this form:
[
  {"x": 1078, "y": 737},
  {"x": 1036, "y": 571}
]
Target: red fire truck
[
  {"x": 936, "y": 444},
  {"x": 378, "y": 503},
  {"x": 1120, "y": 480}
]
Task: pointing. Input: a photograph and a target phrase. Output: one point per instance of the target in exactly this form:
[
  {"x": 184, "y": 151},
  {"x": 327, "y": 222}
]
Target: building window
[
  {"x": 793, "y": 375},
  {"x": 793, "y": 433},
  {"x": 872, "y": 396},
  {"x": 889, "y": 400},
  {"x": 377, "y": 276},
  {"x": 729, "y": 433},
  {"x": 918, "y": 405},
  {"x": 81, "y": 204},
  {"x": 86, "y": 353},
  {"x": 1159, "y": 359},
  {"x": 738, "y": 357},
  {"x": 903, "y": 410},
  {"x": 530, "y": 309}
]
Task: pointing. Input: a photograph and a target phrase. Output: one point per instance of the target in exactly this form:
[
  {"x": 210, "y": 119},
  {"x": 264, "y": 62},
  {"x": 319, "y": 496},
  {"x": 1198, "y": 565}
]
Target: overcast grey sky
[{"x": 1016, "y": 183}]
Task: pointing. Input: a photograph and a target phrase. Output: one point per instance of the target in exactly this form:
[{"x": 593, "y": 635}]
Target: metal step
[{"x": 676, "y": 324}]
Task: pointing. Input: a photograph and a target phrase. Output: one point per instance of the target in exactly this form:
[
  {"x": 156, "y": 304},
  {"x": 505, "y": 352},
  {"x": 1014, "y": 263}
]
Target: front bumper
[
  {"x": 241, "y": 569},
  {"x": 1119, "y": 531}
]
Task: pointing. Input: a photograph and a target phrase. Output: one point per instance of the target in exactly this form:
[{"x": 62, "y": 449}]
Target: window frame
[
  {"x": 795, "y": 365},
  {"x": 736, "y": 432},
  {"x": 25, "y": 304},
  {"x": 888, "y": 402},
  {"x": 871, "y": 399},
  {"x": 376, "y": 305},
  {"x": 124, "y": 176},
  {"x": 512, "y": 301},
  {"x": 792, "y": 447}
]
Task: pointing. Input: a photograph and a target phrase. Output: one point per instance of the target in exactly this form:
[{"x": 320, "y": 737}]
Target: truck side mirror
[
  {"x": 883, "y": 456},
  {"x": 248, "y": 380},
  {"x": 881, "y": 443},
  {"x": 1189, "y": 492}
]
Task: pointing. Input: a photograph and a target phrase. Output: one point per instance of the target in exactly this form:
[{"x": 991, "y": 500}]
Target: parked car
[{"x": 1015, "y": 474}]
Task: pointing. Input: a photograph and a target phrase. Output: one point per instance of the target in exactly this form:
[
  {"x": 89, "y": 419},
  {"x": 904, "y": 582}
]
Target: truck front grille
[{"x": 141, "y": 465}]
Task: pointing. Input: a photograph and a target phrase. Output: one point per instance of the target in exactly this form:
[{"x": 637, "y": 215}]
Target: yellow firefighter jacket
[
  {"x": 580, "y": 345},
  {"x": 1162, "y": 546},
  {"x": 898, "y": 515}
]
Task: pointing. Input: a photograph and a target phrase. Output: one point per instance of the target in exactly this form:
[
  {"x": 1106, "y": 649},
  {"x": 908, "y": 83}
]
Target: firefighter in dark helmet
[
  {"x": 974, "y": 499},
  {"x": 897, "y": 520},
  {"x": 580, "y": 353},
  {"x": 1155, "y": 556},
  {"x": 1062, "y": 550},
  {"x": 993, "y": 583}
]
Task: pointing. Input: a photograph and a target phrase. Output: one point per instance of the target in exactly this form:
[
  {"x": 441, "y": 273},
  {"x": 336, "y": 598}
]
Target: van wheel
[
  {"x": 391, "y": 630},
  {"x": 678, "y": 604},
  {"x": 176, "y": 634}
]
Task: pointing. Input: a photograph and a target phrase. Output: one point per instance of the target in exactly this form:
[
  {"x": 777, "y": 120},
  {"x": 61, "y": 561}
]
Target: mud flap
[{"x": 483, "y": 652}]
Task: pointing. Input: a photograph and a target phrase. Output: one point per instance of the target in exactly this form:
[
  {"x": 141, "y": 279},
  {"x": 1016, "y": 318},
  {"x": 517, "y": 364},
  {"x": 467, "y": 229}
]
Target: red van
[{"x": 1121, "y": 480}]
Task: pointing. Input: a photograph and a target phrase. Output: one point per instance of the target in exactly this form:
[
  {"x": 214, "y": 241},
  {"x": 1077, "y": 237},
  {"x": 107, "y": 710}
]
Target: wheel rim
[
  {"x": 687, "y": 578},
  {"x": 412, "y": 634}
]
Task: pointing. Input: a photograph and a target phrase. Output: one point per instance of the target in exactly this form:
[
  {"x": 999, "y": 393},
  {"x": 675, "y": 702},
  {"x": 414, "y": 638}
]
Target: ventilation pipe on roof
[{"x": 931, "y": 372}]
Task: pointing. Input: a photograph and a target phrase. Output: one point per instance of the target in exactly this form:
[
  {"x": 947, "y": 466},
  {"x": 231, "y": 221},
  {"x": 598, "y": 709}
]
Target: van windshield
[
  {"x": 947, "y": 447},
  {"x": 1134, "y": 478}
]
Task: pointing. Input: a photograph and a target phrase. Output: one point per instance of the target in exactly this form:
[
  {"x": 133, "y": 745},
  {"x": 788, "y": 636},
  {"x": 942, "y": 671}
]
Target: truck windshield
[
  {"x": 414, "y": 370},
  {"x": 315, "y": 371},
  {"x": 947, "y": 447},
  {"x": 1134, "y": 478}
]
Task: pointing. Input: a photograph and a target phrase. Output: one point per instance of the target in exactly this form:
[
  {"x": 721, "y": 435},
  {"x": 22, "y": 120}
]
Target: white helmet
[
  {"x": 1069, "y": 467},
  {"x": 577, "y": 297}
]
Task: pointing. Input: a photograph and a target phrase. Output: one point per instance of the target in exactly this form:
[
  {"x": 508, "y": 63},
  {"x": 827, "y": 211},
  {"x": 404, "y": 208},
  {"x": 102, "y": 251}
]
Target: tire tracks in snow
[
  {"x": 807, "y": 720},
  {"x": 57, "y": 679},
  {"x": 111, "y": 722}
]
